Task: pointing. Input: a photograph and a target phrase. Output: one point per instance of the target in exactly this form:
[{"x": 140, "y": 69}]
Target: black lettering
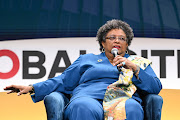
[
  {"x": 55, "y": 68},
  {"x": 82, "y": 52},
  {"x": 130, "y": 52},
  {"x": 162, "y": 54},
  {"x": 39, "y": 64},
  {"x": 144, "y": 53}
]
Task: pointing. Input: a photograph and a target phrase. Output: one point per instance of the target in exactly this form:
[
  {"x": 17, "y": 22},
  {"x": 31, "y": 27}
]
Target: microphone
[{"x": 114, "y": 51}]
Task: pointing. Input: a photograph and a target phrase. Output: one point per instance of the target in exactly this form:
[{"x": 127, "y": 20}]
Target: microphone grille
[{"x": 114, "y": 50}]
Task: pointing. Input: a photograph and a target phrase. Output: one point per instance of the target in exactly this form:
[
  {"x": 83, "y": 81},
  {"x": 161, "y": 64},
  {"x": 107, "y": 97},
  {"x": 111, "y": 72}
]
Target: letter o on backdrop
[{"x": 15, "y": 61}]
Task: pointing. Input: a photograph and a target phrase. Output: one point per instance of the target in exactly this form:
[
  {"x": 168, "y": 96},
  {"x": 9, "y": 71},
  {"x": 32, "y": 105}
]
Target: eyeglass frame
[{"x": 113, "y": 38}]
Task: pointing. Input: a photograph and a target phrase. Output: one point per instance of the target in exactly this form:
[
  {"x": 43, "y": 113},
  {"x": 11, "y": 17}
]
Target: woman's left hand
[{"x": 122, "y": 61}]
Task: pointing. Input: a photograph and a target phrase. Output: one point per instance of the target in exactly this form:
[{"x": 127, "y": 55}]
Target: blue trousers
[{"x": 85, "y": 108}]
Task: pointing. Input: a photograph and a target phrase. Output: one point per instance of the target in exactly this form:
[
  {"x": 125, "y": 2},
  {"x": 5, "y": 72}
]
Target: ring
[{"x": 123, "y": 63}]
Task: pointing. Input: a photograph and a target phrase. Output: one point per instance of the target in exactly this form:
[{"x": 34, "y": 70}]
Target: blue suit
[{"x": 87, "y": 79}]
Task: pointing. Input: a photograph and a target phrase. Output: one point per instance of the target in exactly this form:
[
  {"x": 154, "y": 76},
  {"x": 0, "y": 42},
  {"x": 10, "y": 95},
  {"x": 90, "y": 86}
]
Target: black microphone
[{"x": 114, "y": 51}]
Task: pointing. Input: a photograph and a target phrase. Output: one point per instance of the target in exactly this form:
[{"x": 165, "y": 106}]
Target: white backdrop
[{"x": 50, "y": 47}]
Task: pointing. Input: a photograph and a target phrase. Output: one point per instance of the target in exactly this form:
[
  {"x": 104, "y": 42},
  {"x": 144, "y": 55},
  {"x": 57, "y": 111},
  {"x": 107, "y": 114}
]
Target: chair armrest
[
  {"x": 54, "y": 104},
  {"x": 152, "y": 107}
]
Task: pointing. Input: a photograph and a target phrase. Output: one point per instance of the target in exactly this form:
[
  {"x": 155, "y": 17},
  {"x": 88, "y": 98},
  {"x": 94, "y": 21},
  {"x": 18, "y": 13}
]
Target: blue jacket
[{"x": 90, "y": 75}]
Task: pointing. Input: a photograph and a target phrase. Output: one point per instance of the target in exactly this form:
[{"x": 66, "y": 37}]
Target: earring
[
  {"x": 126, "y": 51},
  {"x": 103, "y": 50}
]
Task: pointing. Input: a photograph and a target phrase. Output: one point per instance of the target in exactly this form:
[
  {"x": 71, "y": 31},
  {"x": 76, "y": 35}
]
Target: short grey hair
[{"x": 114, "y": 24}]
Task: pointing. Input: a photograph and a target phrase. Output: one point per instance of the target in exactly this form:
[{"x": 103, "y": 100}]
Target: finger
[
  {"x": 118, "y": 59},
  {"x": 13, "y": 89},
  {"x": 10, "y": 92},
  {"x": 19, "y": 93},
  {"x": 119, "y": 65},
  {"x": 17, "y": 86},
  {"x": 22, "y": 92},
  {"x": 115, "y": 63},
  {"x": 8, "y": 87},
  {"x": 118, "y": 62}
]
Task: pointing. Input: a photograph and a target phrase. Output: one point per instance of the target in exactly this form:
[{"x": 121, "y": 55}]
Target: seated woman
[{"x": 107, "y": 86}]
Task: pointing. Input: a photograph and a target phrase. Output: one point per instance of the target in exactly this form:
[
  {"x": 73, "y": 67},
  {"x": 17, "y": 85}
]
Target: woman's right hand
[{"x": 18, "y": 89}]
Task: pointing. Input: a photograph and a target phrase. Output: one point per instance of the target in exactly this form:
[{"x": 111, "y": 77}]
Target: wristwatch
[{"x": 31, "y": 91}]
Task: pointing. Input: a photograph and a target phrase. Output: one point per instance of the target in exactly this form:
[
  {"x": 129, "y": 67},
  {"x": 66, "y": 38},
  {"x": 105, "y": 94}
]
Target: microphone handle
[{"x": 119, "y": 68}]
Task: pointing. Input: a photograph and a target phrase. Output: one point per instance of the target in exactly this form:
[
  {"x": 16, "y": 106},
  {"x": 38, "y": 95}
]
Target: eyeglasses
[{"x": 120, "y": 38}]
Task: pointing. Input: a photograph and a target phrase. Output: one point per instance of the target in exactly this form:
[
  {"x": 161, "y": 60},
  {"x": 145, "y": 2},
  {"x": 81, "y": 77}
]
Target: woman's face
[{"x": 116, "y": 38}]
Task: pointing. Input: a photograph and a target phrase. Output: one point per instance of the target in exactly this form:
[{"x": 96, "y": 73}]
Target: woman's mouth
[{"x": 118, "y": 47}]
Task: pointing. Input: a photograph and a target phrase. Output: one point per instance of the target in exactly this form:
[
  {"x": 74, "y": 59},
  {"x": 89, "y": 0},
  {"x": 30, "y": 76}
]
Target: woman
[{"x": 89, "y": 76}]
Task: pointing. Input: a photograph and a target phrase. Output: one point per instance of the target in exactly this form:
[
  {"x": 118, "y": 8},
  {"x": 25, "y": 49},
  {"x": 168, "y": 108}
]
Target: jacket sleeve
[
  {"x": 65, "y": 82},
  {"x": 148, "y": 82}
]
